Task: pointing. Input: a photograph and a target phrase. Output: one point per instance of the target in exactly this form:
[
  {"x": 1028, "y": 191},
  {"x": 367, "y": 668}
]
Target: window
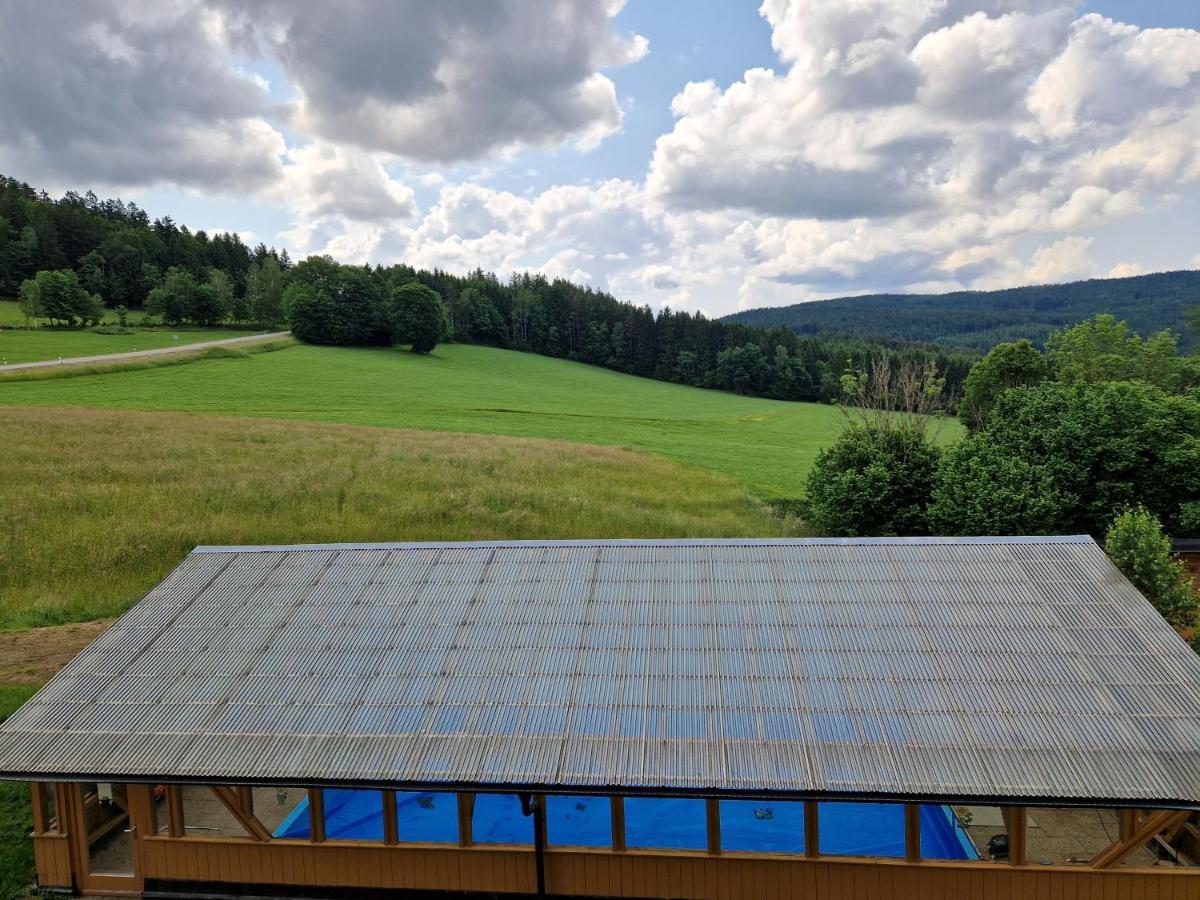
[
  {"x": 278, "y": 808},
  {"x": 763, "y": 826},
  {"x": 427, "y": 816},
  {"x": 498, "y": 819}
]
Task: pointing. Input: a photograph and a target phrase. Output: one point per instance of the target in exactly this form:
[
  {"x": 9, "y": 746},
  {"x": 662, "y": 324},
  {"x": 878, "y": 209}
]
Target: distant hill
[{"x": 981, "y": 319}]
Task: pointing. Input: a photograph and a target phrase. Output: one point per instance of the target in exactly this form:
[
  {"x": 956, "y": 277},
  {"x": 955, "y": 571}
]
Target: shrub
[
  {"x": 1066, "y": 458},
  {"x": 332, "y": 304},
  {"x": 874, "y": 480},
  {"x": 1138, "y": 547},
  {"x": 1019, "y": 364}
]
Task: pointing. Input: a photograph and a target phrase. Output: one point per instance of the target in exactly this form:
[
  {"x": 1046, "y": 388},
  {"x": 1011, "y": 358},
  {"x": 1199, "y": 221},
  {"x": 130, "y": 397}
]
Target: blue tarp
[{"x": 855, "y": 829}]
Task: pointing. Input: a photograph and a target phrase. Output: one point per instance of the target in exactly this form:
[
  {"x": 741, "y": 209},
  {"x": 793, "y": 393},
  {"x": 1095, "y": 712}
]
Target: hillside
[
  {"x": 767, "y": 445},
  {"x": 101, "y": 504},
  {"x": 978, "y": 320}
]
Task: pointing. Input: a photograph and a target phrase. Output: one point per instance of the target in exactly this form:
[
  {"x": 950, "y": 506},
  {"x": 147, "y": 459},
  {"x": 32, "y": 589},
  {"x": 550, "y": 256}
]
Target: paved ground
[{"x": 140, "y": 354}]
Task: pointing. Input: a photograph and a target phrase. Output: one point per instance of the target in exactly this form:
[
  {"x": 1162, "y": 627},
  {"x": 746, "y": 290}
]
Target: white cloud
[
  {"x": 1126, "y": 270},
  {"x": 444, "y": 81}
]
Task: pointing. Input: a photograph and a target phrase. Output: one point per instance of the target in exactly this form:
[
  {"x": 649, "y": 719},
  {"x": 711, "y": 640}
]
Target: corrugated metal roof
[{"x": 1005, "y": 668}]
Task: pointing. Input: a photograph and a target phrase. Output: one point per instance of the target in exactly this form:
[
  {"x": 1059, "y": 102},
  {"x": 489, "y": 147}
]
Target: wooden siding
[
  {"x": 1191, "y": 562},
  {"x": 651, "y": 874},
  {"x": 52, "y": 860}
]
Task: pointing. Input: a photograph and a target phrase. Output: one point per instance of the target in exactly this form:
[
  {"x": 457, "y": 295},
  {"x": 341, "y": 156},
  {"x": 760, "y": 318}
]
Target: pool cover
[{"x": 853, "y": 829}]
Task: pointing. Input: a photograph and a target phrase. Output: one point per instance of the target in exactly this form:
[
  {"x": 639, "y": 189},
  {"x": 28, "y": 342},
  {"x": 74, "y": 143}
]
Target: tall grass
[
  {"x": 96, "y": 506},
  {"x": 768, "y": 445},
  {"x": 16, "y": 819}
]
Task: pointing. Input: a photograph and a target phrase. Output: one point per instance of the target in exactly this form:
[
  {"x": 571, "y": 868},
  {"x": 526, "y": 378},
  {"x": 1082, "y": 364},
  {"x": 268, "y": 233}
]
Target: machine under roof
[{"x": 987, "y": 669}]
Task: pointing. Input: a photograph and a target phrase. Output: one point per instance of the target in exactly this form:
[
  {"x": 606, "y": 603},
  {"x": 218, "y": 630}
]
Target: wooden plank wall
[
  {"x": 52, "y": 860},
  {"x": 586, "y": 872},
  {"x": 1191, "y": 562}
]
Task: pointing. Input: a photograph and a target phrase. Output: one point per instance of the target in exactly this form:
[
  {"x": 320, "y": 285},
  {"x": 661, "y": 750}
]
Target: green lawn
[
  {"x": 765, "y": 444},
  {"x": 10, "y": 314},
  {"x": 18, "y": 346},
  {"x": 16, "y": 849}
]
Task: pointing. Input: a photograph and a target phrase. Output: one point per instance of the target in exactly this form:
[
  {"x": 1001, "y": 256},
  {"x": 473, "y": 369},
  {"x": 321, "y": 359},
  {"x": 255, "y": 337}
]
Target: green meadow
[
  {"x": 33, "y": 345},
  {"x": 766, "y": 445}
]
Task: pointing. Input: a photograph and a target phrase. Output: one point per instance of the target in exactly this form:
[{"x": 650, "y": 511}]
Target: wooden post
[
  {"x": 1128, "y": 819},
  {"x": 140, "y": 798},
  {"x": 712, "y": 813},
  {"x": 391, "y": 825},
  {"x": 617, "y": 813},
  {"x": 466, "y": 811},
  {"x": 175, "y": 824},
  {"x": 316, "y": 815},
  {"x": 912, "y": 832},
  {"x": 812, "y": 829},
  {"x": 245, "y": 795},
  {"x": 37, "y": 795},
  {"x": 1016, "y": 819}
]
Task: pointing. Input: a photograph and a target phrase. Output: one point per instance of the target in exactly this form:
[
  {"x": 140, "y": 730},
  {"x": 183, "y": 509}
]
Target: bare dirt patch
[{"x": 33, "y": 656}]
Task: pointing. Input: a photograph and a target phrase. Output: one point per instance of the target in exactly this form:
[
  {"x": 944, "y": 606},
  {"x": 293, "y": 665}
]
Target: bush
[
  {"x": 1066, "y": 458},
  {"x": 873, "y": 481},
  {"x": 1138, "y": 547},
  {"x": 1007, "y": 366},
  {"x": 417, "y": 316}
]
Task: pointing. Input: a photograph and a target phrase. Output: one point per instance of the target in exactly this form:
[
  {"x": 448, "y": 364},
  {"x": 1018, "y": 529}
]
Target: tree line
[{"x": 119, "y": 258}]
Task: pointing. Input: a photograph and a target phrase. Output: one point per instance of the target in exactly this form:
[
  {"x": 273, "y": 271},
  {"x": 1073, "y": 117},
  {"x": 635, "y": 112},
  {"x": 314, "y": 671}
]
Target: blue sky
[{"x": 697, "y": 153}]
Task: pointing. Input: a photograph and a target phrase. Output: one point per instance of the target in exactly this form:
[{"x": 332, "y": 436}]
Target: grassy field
[
  {"x": 16, "y": 850},
  {"x": 765, "y": 444},
  {"x": 99, "y": 504},
  {"x": 51, "y": 343},
  {"x": 10, "y": 314}
]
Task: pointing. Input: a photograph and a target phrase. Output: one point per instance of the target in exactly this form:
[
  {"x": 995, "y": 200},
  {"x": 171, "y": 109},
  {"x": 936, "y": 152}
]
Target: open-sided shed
[{"x": 1013, "y": 672}]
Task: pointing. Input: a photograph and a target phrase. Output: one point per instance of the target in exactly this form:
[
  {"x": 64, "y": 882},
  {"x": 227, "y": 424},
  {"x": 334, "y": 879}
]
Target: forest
[
  {"x": 979, "y": 320},
  {"x": 109, "y": 254}
]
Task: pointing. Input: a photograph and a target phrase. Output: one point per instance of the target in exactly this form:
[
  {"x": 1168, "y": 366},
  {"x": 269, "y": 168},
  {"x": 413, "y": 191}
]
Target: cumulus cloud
[
  {"x": 105, "y": 94},
  {"x": 908, "y": 142},
  {"x": 444, "y": 81}
]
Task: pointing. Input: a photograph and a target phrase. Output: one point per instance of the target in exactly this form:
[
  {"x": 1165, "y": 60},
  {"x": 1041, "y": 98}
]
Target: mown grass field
[
  {"x": 101, "y": 504},
  {"x": 18, "y": 346},
  {"x": 10, "y": 314},
  {"x": 766, "y": 445}
]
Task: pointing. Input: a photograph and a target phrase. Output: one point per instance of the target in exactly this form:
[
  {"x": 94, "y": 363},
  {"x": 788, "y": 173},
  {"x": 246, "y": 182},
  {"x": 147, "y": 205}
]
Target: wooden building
[
  {"x": 1188, "y": 552},
  {"x": 510, "y": 718}
]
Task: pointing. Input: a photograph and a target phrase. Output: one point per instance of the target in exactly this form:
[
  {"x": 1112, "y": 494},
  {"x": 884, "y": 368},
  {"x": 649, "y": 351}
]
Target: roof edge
[{"x": 660, "y": 542}]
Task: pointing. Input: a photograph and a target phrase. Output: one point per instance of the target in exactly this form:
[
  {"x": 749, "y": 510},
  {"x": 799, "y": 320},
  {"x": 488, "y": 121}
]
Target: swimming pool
[{"x": 853, "y": 829}]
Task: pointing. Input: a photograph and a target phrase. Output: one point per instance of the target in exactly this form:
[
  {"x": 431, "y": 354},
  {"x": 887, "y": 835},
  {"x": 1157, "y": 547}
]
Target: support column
[
  {"x": 391, "y": 825},
  {"x": 1146, "y": 829},
  {"x": 617, "y": 814},
  {"x": 1015, "y": 819},
  {"x": 316, "y": 815},
  {"x": 912, "y": 832},
  {"x": 712, "y": 814},
  {"x": 812, "y": 830},
  {"x": 466, "y": 812},
  {"x": 175, "y": 824}
]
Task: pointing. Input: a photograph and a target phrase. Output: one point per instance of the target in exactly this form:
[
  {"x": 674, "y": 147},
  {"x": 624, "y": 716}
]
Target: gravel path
[{"x": 138, "y": 354}]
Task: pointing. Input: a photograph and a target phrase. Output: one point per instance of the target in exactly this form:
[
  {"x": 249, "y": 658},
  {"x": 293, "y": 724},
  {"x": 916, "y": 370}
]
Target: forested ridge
[
  {"x": 978, "y": 320},
  {"x": 118, "y": 255}
]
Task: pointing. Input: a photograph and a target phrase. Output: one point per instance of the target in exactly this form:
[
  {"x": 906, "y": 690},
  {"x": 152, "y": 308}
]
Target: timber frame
[{"x": 166, "y": 858}]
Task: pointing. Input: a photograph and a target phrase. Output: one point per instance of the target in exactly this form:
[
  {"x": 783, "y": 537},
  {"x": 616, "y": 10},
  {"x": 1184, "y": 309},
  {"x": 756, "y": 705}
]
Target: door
[{"x": 107, "y": 857}]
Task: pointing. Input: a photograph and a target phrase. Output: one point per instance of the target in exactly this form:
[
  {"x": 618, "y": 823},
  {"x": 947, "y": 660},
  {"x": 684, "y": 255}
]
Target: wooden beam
[
  {"x": 37, "y": 795},
  {"x": 246, "y": 819},
  {"x": 245, "y": 795},
  {"x": 316, "y": 815},
  {"x": 712, "y": 815},
  {"x": 391, "y": 824},
  {"x": 175, "y": 823},
  {"x": 912, "y": 832},
  {"x": 1017, "y": 822},
  {"x": 1146, "y": 829},
  {"x": 466, "y": 811},
  {"x": 812, "y": 829},
  {"x": 617, "y": 813}
]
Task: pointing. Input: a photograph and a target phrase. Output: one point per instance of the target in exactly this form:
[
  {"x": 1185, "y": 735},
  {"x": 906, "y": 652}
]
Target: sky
[{"x": 710, "y": 155}]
